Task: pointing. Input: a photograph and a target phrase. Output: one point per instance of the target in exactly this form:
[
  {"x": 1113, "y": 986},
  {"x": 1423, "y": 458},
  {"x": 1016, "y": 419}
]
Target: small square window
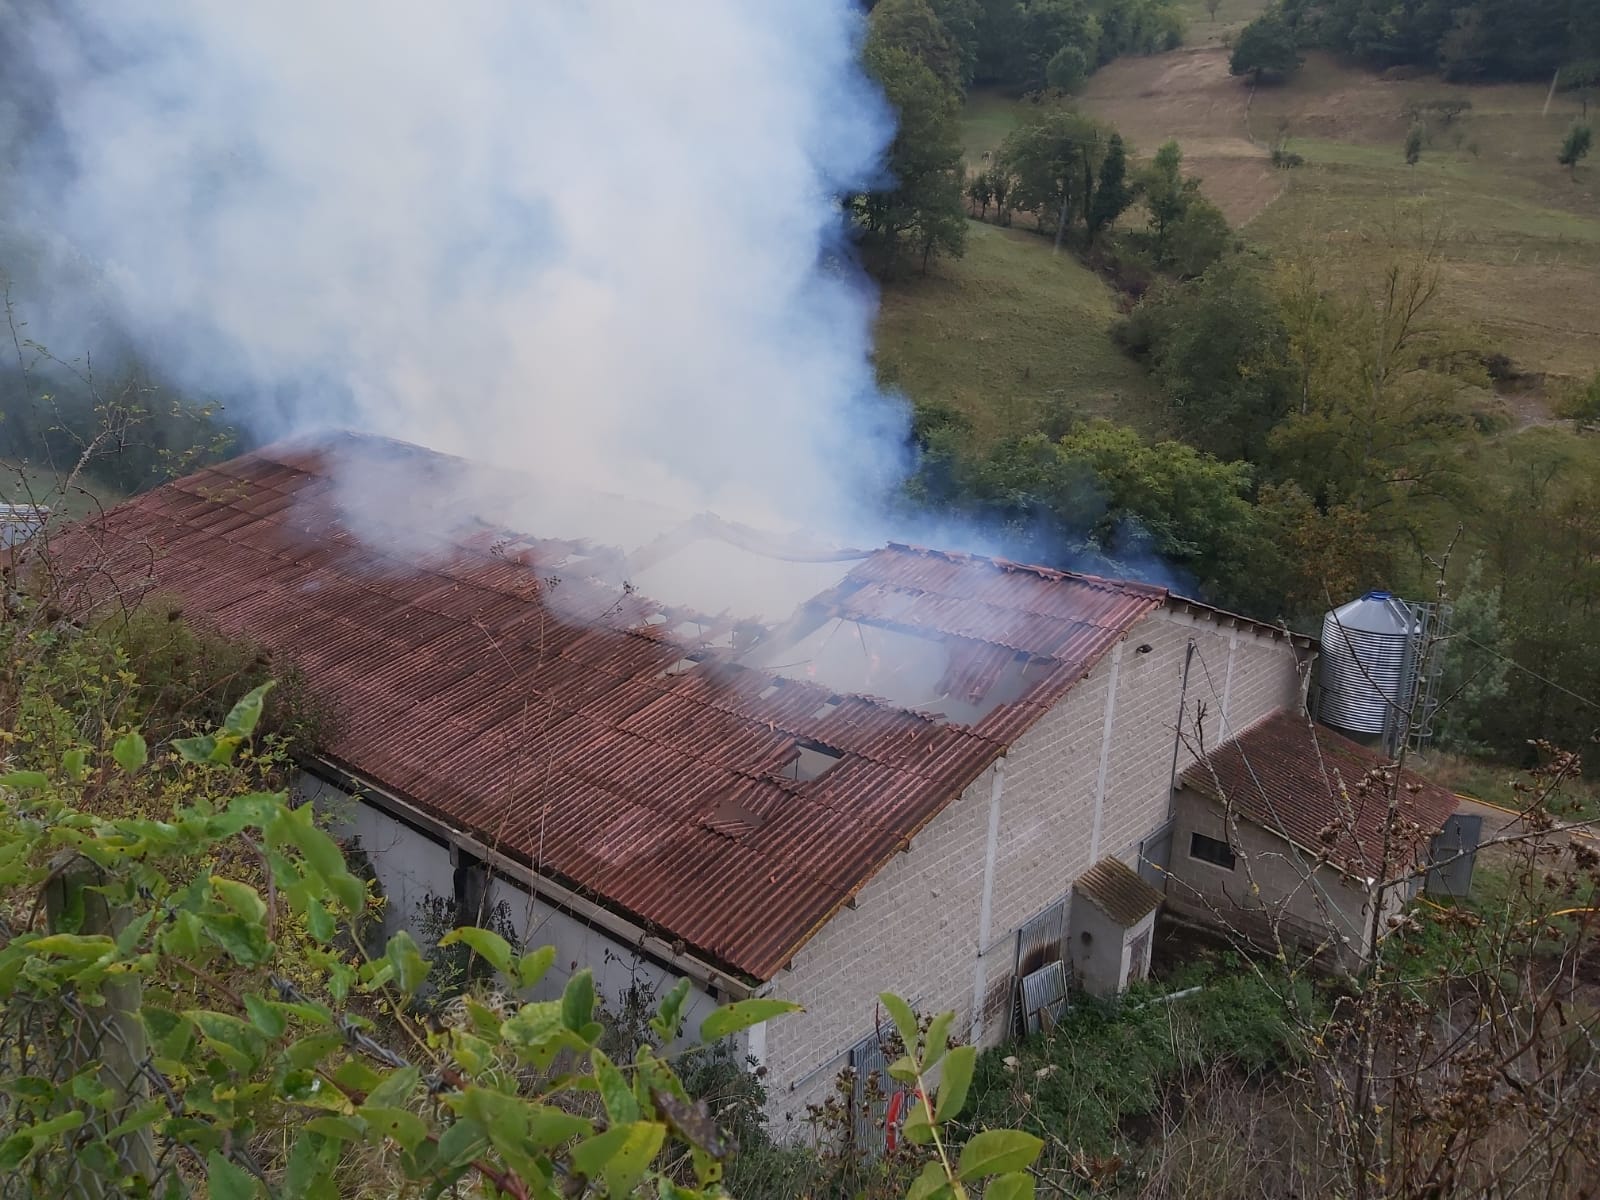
[
  {"x": 1210, "y": 850},
  {"x": 811, "y": 761}
]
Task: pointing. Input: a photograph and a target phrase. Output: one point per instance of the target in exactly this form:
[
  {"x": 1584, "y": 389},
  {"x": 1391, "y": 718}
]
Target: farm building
[{"x": 942, "y": 775}]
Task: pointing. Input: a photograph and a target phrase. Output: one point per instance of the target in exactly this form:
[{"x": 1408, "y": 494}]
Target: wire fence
[{"x": 70, "y": 1076}]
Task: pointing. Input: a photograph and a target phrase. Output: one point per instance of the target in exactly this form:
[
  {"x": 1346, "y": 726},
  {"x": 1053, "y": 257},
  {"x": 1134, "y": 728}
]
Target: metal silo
[{"x": 1369, "y": 661}]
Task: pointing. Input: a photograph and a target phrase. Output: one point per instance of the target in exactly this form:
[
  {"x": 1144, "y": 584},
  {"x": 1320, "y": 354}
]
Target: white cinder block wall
[{"x": 1092, "y": 779}]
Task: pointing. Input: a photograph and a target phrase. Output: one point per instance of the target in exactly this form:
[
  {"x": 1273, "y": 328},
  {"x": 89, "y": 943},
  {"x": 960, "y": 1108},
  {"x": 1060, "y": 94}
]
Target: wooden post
[{"x": 112, "y": 1034}]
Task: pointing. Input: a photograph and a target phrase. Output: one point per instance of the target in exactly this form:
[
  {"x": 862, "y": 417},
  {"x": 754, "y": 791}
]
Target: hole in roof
[
  {"x": 683, "y": 666},
  {"x": 768, "y": 692},
  {"x": 826, "y": 708},
  {"x": 811, "y": 760},
  {"x": 656, "y": 618}
]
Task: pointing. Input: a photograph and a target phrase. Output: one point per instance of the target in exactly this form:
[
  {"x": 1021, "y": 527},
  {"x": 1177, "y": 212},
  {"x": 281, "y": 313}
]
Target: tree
[
  {"x": 981, "y": 192},
  {"x": 1219, "y": 348},
  {"x": 1211, "y": 8},
  {"x": 1266, "y": 44},
  {"x": 924, "y": 200},
  {"x": 914, "y": 27},
  {"x": 1067, "y": 69},
  {"x": 1575, "y": 148},
  {"x": 1200, "y": 237},
  {"x": 960, "y": 19},
  {"x": 1052, "y": 164},
  {"x": 1112, "y": 195},
  {"x": 1167, "y": 196},
  {"x": 1414, "y": 138}
]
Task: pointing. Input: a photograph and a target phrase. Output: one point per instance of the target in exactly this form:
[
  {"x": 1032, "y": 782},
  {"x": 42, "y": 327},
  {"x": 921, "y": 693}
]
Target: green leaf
[
  {"x": 240, "y": 897},
  {"x": 335, "y": 1128},
  {"x": 75, "y": 764},
  {"x": 955, "y": 1081},
  {"x": 1015, "y": 1185},
  {"x": 405, "y": 1129},
  {"x": 490, "y": 947},
  {"x": 997, "y": 1151},
  {"x": 233, "y": 1040},
  {"x": 224, "y": 1181},
  {"x": 668, "y": 1021},
  {"x": 410, "y": 968},
  {"x": 577, "y": 1000},
  {"x": 462, "y": 1143},
  {"x": 309, "y": 1174},
  {"x": 931, "y": 1184},
  {"x": 614, "y": 1090},
  {"x": 394, "y": 1091},
  {"x": 533, "y": 1024},
  {"x": 14, "y": 1151},
  {"x": 742, "y": 1014},
  {"x": 84, "y": 946},
  {"x": 531, "y": 967},
  {"x": 131, "y": 752},
  {"x": 319, "y": 920},
  {"x": 937, "y": 1039},
  {"x": 903, "y": 1069},
  {"x": 25, "y": 781},
  {"x": 266, "y": 1017},
  {"x": 242, "y": 719},
  {"x": 195, "y": 749},
  {"x": 919, "y": 1125},
  {"x": 905, "y": 1021},
  {"x": 244, "y": 940},
  {"x": 620, "y": 1155}
]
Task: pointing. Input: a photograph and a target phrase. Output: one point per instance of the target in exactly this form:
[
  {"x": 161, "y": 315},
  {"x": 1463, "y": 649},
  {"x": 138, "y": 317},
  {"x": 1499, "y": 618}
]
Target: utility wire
[{"x": 1530, "y": 671}]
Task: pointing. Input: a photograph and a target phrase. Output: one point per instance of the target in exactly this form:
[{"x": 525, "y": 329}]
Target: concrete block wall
[
  {"x": 912, "y": 932},
  {"x": 1273, "y": 889},
  {"x": 1092, "y": 779}
]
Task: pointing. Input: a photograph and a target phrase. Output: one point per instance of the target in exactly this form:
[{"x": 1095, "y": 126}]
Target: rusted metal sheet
[
  {"x": 514, "y": 690},
  {"x": 1323, "y": 792}
]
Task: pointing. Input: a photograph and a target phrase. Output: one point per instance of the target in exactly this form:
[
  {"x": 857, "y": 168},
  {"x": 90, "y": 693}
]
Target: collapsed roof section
[{"x": 721, "y": 780}]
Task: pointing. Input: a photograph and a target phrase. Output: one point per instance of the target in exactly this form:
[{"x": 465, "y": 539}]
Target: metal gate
[
  {"x": 1455, "y": 849},
  {"x": 871, "y": 1095},
  {"x": 1044, "y": 970},
  {"x": 1155, "y": 856}
]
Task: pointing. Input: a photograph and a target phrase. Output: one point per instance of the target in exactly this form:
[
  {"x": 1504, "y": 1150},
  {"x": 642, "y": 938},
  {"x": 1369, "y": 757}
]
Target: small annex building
[
  {"x": 1282, "y": 832},
  {"x": 936, "y": 774}
]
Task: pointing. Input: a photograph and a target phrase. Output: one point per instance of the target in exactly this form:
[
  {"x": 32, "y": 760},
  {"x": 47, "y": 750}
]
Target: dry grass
[{"x": 1521, "y": 238}]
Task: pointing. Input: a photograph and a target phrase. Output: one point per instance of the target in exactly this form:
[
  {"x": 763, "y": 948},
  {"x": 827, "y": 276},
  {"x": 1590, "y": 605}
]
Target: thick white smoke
[{"x": 593, "y": 241}]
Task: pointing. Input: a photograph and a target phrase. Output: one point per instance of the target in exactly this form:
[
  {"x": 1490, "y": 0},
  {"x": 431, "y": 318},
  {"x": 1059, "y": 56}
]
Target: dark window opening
[
  {"x": 1210, "y": 850},
  {"x": 811, "y": 761}
]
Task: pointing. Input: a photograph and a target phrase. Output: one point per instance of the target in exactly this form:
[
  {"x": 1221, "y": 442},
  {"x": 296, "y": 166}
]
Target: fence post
[{"x": 111, "y": 1035}]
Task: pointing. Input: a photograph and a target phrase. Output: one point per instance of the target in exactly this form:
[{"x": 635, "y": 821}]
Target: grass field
[
  {"x": 1012, "y": 336},
  {"x": 1519, "y": 237}
]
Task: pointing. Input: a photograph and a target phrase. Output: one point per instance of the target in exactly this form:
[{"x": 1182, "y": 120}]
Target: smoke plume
[{"x": 599, "y": 243}]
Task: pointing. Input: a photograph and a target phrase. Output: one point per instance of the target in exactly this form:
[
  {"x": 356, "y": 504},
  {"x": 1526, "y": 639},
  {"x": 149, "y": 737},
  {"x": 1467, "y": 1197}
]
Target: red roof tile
[
  {"x": 536, "y": 715},
  {"x": 1323, "y": 792}
]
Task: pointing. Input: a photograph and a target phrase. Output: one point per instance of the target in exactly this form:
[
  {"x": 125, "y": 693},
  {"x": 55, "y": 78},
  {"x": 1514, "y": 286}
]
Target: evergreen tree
[
  {"x": 1113, "y": 195},
  {"x": 1573, "y": 150}
]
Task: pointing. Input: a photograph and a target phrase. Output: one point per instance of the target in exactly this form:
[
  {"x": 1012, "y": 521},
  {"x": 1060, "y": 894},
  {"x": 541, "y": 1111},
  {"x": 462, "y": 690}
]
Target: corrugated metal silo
[{"x": 1368, "y": 663}]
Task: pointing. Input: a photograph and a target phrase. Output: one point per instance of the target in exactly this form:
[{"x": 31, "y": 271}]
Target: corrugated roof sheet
[
  {"x": 1117, "y": 891},
  {"x": 1323, "y": 792},
  {"x": 540, "y": 715}
]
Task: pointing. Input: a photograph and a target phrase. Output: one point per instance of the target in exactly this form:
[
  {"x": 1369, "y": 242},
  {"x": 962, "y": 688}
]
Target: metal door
[
  {"x": 1155, "y": 853},
  {"x": 1042, "y": 958},
  {"x": 1044, "y": 997},
  {"x": 1455, "y": 850}
]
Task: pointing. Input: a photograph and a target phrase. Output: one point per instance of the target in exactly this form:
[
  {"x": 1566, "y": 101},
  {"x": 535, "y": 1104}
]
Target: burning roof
[{"x": 721, "y": 780}]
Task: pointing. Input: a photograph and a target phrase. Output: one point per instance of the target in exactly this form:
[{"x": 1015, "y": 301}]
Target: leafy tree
[
  {"x": 1067, "y": 69},
  {"x": 1266, "y": 44},
  {"x": 1052, "y": 165},
  {"x": 1211, "y": 8},
  {"x": 1414, "y": 138},
  {"x": 924, "y": 202},
  {"x": 960, "y": 19},
  {"x": 1103, "y": 499},
  {"x": 981, "y": 192},
  {"x": 1475, "y": 669},
  {"x": 1381, "y": 390},
  {"x": 912, "y": 26},
  {"x": 1112, "y": 195},
  {"x": 1200, "y": 237},
  {"x": 1219, "y": 348},
  {"x": 1575, "y": 147},
  {"x": 1168, "y": 196}
]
